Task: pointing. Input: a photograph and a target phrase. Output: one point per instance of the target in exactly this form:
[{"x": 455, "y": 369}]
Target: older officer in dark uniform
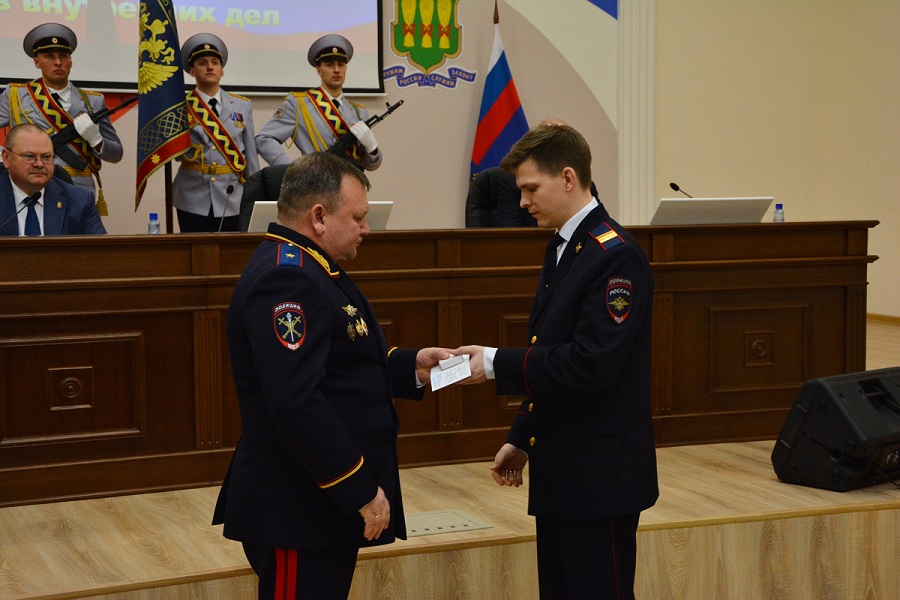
[
  {"x": 316, "y": 118},
  {"x": 314, "y": 476},
  {"x": 585, "y": 426},
  {"x": 208, "y": 186},
  {"x": 53, "y": 103}
]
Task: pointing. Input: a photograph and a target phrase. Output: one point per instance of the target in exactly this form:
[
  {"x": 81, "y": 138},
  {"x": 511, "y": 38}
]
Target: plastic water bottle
[
  {"x": 153, "y": 223},
  {"x": 779, "y": 213}
]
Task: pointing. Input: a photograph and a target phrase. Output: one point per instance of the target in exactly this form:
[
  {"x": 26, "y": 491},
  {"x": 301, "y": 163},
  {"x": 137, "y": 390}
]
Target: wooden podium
[{"x": 115, "y": 377}]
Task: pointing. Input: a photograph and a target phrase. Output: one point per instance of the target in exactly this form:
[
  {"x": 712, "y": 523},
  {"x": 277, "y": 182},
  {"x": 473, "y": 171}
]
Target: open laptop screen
[{"x": 701, "y": 211}]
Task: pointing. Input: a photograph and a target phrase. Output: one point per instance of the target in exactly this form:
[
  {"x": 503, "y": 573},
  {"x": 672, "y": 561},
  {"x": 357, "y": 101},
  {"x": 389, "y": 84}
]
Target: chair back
[{"x": 265, "y": 184}]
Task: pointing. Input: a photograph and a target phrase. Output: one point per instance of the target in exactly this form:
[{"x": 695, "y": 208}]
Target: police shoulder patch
[
  {"x": 619, "y": 298},
  {"x": 290, "y": 324},
  {"x": 606, "y": 236}
]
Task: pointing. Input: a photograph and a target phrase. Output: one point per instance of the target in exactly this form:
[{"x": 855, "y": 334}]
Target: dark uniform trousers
[
  {"x": 316, "y": 575},
  {"x": 586, "y": 560}
]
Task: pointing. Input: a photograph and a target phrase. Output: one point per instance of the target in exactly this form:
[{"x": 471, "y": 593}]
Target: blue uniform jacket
[
  {"x": 586, "y": 421},
  {"x": 315, "y": 381}
]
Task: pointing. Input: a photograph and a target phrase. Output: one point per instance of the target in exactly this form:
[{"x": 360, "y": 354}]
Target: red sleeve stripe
[{"x": 334, "y": 482}]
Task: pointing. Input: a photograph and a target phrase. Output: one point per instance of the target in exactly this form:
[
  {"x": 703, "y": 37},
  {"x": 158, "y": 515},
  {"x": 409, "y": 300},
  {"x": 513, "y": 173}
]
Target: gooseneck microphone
[
  {"x": 229, "y": 190},
  {"x": 31, "y": 201},
  {"x": 675, "y": 187}
]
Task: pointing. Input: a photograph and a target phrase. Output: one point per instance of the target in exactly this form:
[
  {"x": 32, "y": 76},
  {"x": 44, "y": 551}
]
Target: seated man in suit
[
  {"x": 32, "y": 201},
  {"x": 493, "y": 201}
]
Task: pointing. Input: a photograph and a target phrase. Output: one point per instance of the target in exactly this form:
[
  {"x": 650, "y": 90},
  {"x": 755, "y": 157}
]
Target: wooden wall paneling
[
  {"x": 228, "y": 403},
  {"x": 449, "y": 333},
  {"x": 663, "y": 348},
  {"x": 823, "y": 556},
  {"x": 855, "y": 334},
  {"x": 758, "y": 347},
  {"x": 208, "y": 379},
  {"x": 136, "y": 325}
]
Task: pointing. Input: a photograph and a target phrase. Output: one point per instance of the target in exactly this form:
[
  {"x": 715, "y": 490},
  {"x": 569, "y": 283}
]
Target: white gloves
[
  {"x": 87, "y": 129},
  {"x": 365, "y": 136}
]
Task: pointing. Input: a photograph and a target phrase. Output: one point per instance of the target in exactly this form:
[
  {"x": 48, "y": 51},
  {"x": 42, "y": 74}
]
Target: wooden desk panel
[{"x": 115, "y": 378}]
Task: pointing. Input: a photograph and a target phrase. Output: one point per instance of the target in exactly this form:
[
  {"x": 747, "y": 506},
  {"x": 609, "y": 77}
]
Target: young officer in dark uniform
[
  {"x": 585, "y": 426},
  {"x": 314, "y": 476}
]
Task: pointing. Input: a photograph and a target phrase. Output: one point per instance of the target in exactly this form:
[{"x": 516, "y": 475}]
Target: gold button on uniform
[
  {"x": 531, "y": 442},
  {"x": 533, "y": 339},
  {"x": 530, "y": 406}
]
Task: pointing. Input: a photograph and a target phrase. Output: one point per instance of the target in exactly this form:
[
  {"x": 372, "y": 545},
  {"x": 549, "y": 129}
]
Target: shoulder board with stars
[
  {"x": 606, "y": 236},
  {"x": 289, "y": 255}
]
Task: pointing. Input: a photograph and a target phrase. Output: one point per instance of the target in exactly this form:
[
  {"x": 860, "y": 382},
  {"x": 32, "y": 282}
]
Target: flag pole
[
  {"x": 496, "y": 14},
  {"x": 168, "y": 194}
]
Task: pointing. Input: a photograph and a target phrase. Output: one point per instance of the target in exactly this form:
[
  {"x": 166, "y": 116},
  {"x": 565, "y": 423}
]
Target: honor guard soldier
[
  {"x": 317, "y": 118},
  {"x": 53, "y": 103},
  {"x": 210, "y": 180}
]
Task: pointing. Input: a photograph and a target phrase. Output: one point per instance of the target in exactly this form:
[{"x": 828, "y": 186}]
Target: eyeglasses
[{"x": 32, "y": 158}]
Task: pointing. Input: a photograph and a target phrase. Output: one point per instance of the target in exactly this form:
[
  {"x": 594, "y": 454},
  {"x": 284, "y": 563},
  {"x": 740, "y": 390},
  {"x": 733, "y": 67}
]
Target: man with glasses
[
  {"x": 53, "y": 103},
  {"x": 32, "y": 201}
]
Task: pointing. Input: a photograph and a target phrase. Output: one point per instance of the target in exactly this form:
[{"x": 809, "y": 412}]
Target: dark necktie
[
  {"x": 56, "y": 98},
  {"x": 337, "y": 104},
  {"x": 32, "y": 225},
  {"x": 212, "y": 105},
  {"x": 550, "y": 257}
]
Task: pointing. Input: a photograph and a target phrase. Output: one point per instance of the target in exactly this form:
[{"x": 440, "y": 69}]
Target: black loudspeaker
[{"x": 843, "y": 432}]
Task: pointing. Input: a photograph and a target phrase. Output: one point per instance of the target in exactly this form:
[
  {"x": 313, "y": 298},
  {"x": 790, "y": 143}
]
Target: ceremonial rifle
[
  {"x": 346, "y": 141},
  {"x": 68, "y": 133}
]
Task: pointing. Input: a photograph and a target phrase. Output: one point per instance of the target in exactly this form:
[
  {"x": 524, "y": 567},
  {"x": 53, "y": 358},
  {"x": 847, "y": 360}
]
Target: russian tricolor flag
[{"x": 501, "y": 122}]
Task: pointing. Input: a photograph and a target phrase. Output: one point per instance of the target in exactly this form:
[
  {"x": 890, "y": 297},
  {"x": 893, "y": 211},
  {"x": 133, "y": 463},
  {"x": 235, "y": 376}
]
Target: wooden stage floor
[{"x": 724, "y": 528}]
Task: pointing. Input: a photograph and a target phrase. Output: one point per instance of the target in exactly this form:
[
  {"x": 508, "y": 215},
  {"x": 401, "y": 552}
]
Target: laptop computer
[
  {"x": 266, "y": 211},
  {"x": 702, "y": 211},
  {"x": 379, "y": 212}
]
